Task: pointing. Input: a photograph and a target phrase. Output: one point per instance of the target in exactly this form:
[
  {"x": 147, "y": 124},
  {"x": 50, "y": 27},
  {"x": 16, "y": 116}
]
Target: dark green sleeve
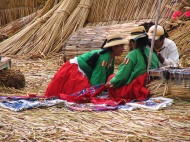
[
  {"x": 98, "y": 74},
  {"x": 122, "y": 75}
]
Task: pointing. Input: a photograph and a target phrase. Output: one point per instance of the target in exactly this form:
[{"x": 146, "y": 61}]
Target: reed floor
[{"x": 60, "y": 124}]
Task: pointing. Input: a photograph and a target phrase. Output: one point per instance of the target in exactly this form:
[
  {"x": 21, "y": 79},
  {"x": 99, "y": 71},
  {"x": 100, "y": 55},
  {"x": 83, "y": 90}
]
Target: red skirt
[
  {"x": 134, "y": 91},
  {"x": 67, "y": 80}
]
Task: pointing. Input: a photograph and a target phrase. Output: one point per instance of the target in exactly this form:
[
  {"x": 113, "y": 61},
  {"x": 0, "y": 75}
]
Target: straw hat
[
  {"x": 137, "y": 32},
  {"x": 159, "y": 32},
  {"x": 114, "y": 39}
]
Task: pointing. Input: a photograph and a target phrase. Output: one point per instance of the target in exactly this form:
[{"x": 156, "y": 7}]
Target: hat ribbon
[
  {"x": 137, "y": 33},
  {"x": 113, "y": 39}
]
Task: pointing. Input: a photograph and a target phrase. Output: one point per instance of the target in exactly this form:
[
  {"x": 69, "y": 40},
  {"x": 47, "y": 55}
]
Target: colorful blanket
[
  {"x": 151, "y": 104},
  {"x": 20, "y": 103}
]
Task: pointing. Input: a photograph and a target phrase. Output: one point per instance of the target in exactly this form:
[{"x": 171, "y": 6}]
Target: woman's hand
[
  {"x": 160, "y": 57},
  {"x": 108, "y": 84}
]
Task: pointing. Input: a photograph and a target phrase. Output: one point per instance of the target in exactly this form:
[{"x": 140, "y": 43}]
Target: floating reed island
[{"x": 65, "y": 28}]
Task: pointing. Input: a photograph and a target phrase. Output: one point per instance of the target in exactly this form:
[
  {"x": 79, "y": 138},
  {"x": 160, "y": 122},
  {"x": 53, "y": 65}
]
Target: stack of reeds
[
  {"x": 48, "y": 5},
  {"x": 11, "y": 10},
  {"x": 13, "y": 27},
  {"x": 126, "y": 10},
  {"x": 16, "y": 25},
  {"x": 157, "y": 87},
  {"x": 45, "y": 35},
  {"x": 74, "y": 22},
  {"x": 15, "y": 43},
  {"x": 180, "y": 89},
  {"x": 177, "y": 85},
  {"x": 181, "y": 36}
]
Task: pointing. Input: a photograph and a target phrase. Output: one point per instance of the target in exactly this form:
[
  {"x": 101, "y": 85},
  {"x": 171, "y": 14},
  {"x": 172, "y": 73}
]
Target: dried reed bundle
[
  {"x": 16, "y": 25},
  {"x": 75, "y": 21},
  {"x": 36, "y": 41},
  {"x": 15, "y": 9},
  {"x": 46, "y": 35},
  {"x": 123, "y": 10},
  {"x": 53, "y": 42},
  {"x": 175, "y": 87},
  {"x": 8, "y": 4},
  {"x": 18, "y": 41},
  {"x": 49, "y": 4},
  {"x": 180, "y": 89},
  {"x": 181, "y": 36},
  {"x": 156, "y": 87},
  {"x": 9, "y": 15}
]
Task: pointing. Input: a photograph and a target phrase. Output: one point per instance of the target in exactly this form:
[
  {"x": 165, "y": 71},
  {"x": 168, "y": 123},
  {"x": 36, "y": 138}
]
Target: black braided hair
[
  {"x": 104, "y": 50},
  {"x": 93, "y": 59},
  {"x": 141, "y": 43},
  {"x": 103, "y": 43}
]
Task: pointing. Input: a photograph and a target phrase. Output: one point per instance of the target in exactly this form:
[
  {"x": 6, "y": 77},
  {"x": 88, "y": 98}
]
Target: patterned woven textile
[{"x": 21, "y": 103}]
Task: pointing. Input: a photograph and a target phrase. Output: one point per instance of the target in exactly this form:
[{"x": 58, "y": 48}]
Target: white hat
[
  {"x": 115, "y": 39},
  {"x": 137, "y": 32},
  {"x": 159, "y": 32}
]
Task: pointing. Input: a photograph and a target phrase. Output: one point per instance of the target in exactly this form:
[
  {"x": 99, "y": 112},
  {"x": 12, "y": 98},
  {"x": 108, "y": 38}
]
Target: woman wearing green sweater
[
  {"x": 129, "y": 81},
  {"x": 86, "y": 70}
]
